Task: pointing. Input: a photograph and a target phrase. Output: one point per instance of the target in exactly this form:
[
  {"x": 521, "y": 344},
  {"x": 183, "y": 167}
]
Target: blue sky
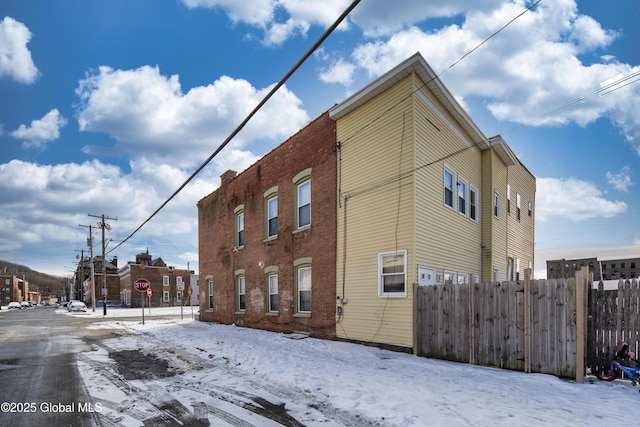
[{"x": 107, "y": 107}]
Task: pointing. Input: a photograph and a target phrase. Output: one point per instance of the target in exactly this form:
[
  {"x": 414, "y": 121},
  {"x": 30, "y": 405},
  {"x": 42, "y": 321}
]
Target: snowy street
[{"x": 211, "y": 374}]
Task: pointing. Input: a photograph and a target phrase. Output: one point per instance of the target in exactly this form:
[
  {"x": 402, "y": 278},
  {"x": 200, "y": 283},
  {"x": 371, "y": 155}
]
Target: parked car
[
  {"x": 77, "y": 306},
  {"x": 14, "y": 304},
  {"x": 70, "y": 304},
  {"x": 25, "y": 304}
]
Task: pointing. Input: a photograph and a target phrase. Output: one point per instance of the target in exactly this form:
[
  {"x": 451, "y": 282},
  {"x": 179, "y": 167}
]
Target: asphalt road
[{"x": 39, "y": 381}]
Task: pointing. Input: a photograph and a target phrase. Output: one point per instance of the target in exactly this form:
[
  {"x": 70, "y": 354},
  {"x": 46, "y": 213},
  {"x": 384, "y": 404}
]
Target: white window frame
[
  {"x": 165, "y": 280},
  {"x": 165, "y": 296},
  {"x": 518, "y": 201},
  {"x": 270, "y": 218},
  {"x": 447, "y": 188},
  {"x": 179, "y": 280},
  {"x": 496, "y": 204},
  {"x": 239, "y": 229},
  {"x": 300, "y": 204},
  {"x": 450, "y": 277},
  {"x": 382, "y": 274},
  {"x": 307, "y": 285},
  {"x": 272, "y": 289},
  {"x": 508, "y": 199},
  {"x": 210, "y": 294},
  {"x": 179, "y": 296},
  {"x": 462, "y": 196},
  {"x": 241, "y": 293},
  {"x": 474, "y": 197},
  {"x": 463, "y": 279}
]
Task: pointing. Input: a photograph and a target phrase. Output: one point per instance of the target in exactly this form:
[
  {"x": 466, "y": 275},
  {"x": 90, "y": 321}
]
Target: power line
[
  {"x": 437, "y": 76},
  {"x": 282, "y": 81}
]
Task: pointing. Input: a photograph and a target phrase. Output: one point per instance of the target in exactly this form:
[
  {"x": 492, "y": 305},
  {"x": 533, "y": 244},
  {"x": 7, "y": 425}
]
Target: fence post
[
  {"x": 581, "y": 322},
  {"x": 472, "y": 322},
  {"x": 527, "y": 320}
]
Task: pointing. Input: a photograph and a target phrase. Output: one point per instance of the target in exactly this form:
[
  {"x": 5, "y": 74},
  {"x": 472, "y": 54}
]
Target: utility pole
[
  {"x": 103, "y": 225},
  {"x": 81, "y": 278},
  {"x": 93, "y": 281}
]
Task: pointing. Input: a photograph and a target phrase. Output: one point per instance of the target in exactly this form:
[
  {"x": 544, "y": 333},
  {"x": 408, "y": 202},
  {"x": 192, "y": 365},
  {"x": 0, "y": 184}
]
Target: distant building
[
  {"x": 169, "y": 286},
  {"x": 611, "y": 269},
  {"x": 81, "y": 289},
  {"x": 13, "y": 289}
]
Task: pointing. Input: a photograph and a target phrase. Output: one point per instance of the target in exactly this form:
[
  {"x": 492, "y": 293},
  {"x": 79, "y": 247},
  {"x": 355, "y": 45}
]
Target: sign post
[
  {"x": 149, "y": 292},
  {"x": 181, "y": 289},
  {"x": 142, "y": 285}
]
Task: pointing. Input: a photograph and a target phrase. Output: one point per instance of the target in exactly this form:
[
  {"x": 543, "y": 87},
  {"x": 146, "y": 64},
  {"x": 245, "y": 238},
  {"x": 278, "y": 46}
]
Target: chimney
[{"x": 227, "y": 176}]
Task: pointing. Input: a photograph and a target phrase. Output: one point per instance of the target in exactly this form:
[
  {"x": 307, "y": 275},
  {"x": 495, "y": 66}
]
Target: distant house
[
  {"x": 169, "y": 286},
  {"x": 267, "y": 239},
  {"x": 425, "y": 198}
]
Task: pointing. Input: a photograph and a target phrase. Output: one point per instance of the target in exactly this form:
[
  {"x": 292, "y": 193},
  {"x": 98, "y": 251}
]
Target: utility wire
[
  {"x": 282, "y": 81},
  {"x": 437, "y": 76}
]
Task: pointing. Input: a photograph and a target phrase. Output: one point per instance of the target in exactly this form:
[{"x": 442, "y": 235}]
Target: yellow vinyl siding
[
  {"x": 520, "y": 234},
  {"x": 494, "y": 230},
  {"x": 445, "y": 239},
  {"x": 380, "y": 215}
]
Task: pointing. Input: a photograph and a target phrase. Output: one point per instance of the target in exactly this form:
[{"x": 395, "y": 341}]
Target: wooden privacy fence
[
  {"x": 614, "y": 315},
  {"x": 531, "y": 325}
]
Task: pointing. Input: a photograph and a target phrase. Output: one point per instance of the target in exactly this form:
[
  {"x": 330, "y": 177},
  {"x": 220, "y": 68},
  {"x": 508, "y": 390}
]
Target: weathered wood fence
[
  {"x": 614, "y": 315},
  {"x": 531, "y": 325}
]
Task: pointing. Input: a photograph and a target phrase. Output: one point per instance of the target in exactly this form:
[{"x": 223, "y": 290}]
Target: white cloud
[
  {"x": 383, "y": 17},
  {"x": 573, "y": 199},
  {"x": 15, "y": 57},
  {"x": 622, "y": 180},
  {"x": 41, "y": 131},
  {"x": 530, "y": 73},
  {"x": 149, "y": 115},
  {"x": 279, "y": 19},
  {"x": 255, "y": 12},
  {"x": 339, "y": 72},
  {"x": 42, "y": 206}
]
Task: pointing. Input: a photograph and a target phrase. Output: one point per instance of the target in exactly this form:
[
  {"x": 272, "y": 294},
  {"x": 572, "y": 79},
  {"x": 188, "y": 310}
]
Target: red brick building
[
  {"x": 13, "y": 289},
  {"x": 169, "y": 286},
  {"x": 267, "y": 239}
]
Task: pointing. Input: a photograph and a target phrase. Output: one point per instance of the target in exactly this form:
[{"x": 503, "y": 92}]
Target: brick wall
[{"x": 312, "y": 147}]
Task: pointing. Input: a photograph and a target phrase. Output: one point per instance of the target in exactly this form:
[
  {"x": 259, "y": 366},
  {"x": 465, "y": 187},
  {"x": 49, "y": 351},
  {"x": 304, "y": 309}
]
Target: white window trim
[
  {"x": 454, "y": 277},
  {"x": 165, "y": 296},
  {"x": 298, "y": 269},
  {"x": 454, "y": 192},
  {"x": 381, "y": 292},
  {"x": 210, "y": 301},
  {"x": 269, "y": 308},
  {"x": 462, "y": 181},
  {"x": 496, "y": 204},
  {"x": 463, "y": 279},
  {"x": 240, "y": 277},
  {"x": 473, "y": 189},
  {"x": 165, "y": 280},
  {"x": 301, "y": 178}
]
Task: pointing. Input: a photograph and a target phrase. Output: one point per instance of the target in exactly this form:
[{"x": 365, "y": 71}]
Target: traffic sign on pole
[
  {"x": 141, "y": 285},
  {"x": 149, "y": 292}
]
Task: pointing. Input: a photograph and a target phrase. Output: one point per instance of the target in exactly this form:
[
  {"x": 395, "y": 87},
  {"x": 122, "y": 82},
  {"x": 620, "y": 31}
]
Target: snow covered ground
[{"x": 222, "y": 370}]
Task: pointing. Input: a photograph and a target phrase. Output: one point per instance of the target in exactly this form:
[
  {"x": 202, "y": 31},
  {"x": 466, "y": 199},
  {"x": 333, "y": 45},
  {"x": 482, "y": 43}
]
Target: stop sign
[{"x": 141, "y": 285}]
